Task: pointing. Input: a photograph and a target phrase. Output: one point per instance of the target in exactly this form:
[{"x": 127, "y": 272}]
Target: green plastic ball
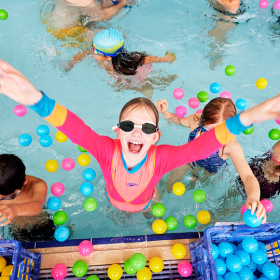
[
  {"x": 59, "y": 218},
  {"x": 3, "y": 14},
  {"x": 199, "y": 196},
  {"x": 93, "y": 277},
  {"x": 249, "y": 131},
  {"x": 171, "y": 223},
  {"x": 274, "y": 134},
  {"x": 128, "y": 268},
  {"x": 81, "y": 149},
  {"x": 158, "y": 209},
  {"x": 230, "y": 70},
  {"x": 189, "y": 221},
  {"x": 138, "y": 261},
  {"x": 90, "y": 204},
  {"x": 202, "y": 96},
  {"x": 80, "y": 268}
]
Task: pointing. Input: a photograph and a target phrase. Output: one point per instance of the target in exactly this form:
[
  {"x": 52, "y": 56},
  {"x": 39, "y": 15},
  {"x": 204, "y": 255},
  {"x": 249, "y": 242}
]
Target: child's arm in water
[
  {"x": 169, "y": 57},
  {"x": 78, "y": 58},
  {"x": 229, "y": 6}
]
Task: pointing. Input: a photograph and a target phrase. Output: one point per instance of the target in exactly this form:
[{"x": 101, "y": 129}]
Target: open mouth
[{"x": 134, "y": 146}]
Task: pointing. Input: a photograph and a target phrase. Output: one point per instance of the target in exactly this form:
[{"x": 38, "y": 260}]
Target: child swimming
[
  {"x": 215, "y": 112},
  {"x": 133, "y": 164}
]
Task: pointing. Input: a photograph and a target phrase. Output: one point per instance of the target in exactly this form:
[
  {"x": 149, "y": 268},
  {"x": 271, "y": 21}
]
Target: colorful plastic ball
[
  {"x": 231, "y": 276},
  {"x": 277, "y": 5},
  {"x": 128, "y": 268},
  {"x": 159, "y": 226},
  {"x": 171, "y": 223},
  {"x": 156, "y": 264},
  {"x": 93, "y": 277},
  {"x": 271, "y": 271},
  {"x": 215, "y": 251},
  {"x": 80, "y": 268},
  {"x": 220, "y": 266},
  {"x": 61, "y": 233},
  {"x": 115, "y": 272},
  {"x": 84, "y": 159},
  {"x": 59, "y": 218},
  {"x": 178, "y": 251},
  {"x": 244, "y": 256},
  {"x": 85, "y": 248},
  {"x": 225, "y": 94},
  {"x": 45, "y": 141},
  {"x": 274, "y": 134},
  {"x": 20, "y": 110},
  {"x": 215, "y": 87},
  {"x": 199, "y": 196},
  {"x": 233, "y": 247},
  {"x": 3, "y": 263},
  {"x": 249, "y": 130},
  {"x": 230, "y": 70},
  {"x": 68, "y": 164},
  {"x": 251, "y": 220},
  {"x": 144, "y": 274},
  {"x": 261, "y": 83},
  {"x": 185, "y": 268},
  {"x": 203, "y": 217},
  {"x": 25, "y": 140},
  {"x": 51, "y": 165},
  {"x": 178, "y": 93},
  {"x": 241, "y": 104},
  {"x": 42, "y": 130},
  {"x": 57, "y": 189},
  {"x": 267, "y": 204},
  {"x": 260, "y": 267},
  {"x": 246, "y": 273},
  {"x": 262, "y": 246},
  {"x": 3, "y": 14},
  {"x": 259, "y": 257},
  {"x": 263, "y": 278},
  {"x": 243, "y": 209},
  {"x": 202, "y": 96},
  {"x": 178, "y": 188},
  {"x": 81, "y": 149},
  {"x": 90, "y": 204},
  {"x": 199, "y": 111},
  {"x": 60, "y": 137},
  {"x": 54, "y": 203},
  {"x": 59, "y": 271},
  {"x": 86, "y": 188},
  {"x": 89, "y": 174},
  {"x": 234, "y": 263},
  {"x": 7, "y": 271},
  {"x": 277, "y": 121},
  {"x": 194, "y": 102},
  {"x": 138, "y": 261},
  {"x": 158, "y": 209},
  {"x": 225, "y": 249},
  {"x": 180, "y": 111},
  {"x": 263, "y": 4},
  {"x": 249, "y": 244},
  {"x": 252, "y": 266},
  {"x": 219, "y": 277},
  {"x": 189, "y": 221}
]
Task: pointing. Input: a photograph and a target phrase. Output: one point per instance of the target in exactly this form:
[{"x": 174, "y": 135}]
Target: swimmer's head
[{"x": 12, "y": 174}]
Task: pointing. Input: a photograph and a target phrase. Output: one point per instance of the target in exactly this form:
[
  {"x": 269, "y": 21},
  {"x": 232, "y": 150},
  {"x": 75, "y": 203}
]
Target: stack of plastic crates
[
  {"x": 201, "y": 254},
  {"x": 26, "y": 265}
]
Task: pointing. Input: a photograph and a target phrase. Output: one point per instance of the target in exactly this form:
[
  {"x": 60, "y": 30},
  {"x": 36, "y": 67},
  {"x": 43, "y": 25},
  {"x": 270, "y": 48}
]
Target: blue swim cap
[{"x": 109, "y": 42}]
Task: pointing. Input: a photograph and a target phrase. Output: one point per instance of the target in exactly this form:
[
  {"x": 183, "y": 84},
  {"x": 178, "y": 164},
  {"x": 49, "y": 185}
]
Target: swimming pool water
[{"x": 183, "y": 27}]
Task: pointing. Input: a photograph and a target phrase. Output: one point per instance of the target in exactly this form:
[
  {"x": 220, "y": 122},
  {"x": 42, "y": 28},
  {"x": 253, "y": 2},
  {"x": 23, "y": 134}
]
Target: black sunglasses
[{"x": 129, "y": 126}]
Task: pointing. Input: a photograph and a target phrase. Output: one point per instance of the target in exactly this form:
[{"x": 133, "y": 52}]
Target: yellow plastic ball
[
  {"x": 144, "y": 274},
  {"x": 178, "y": 188},
  {"x": 275, "y": 245},
  {"x": 178, "y": 251},
  {"x": 203, "y": 217},
  {"x": 5, "y": 277},
  {"x": 115, "y": 272},
  {"x": 51, "y": 165},
  {"x": 7, "y": 271},
  {"x": 156, "y": 264},
  {"x": 84, "y": 159},
  {"x": 261, "y": 83},
  {"x": 60, "y": 137},
  {"x": 159, "y": 226},
  {"x": 3, "y": 263}
]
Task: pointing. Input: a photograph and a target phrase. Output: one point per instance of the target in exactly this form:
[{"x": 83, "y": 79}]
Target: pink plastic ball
[
  {"x": 243, "y": 209},
  {"x": 185, "y": 268},
  {"x": 225, "y": 94},
  {"x": 194, "y": 102},
  {"x": 277, "y": 5},
  {"x": 267, "y": 204},
  {"x": 57, "y": 189},
  {"x": 277, "y": 121},
  {"x": 263, "y": 4},
  {"x": 59, "y": 271},
  {"x": 181, "y": 111},
  {"x": 199, "y": 111},
  {"x": 85, "y": 248},
  {"x": 20, "y": 110},
  {"x": 68, "y": 164},
  {"x": 178, "y": 93}
]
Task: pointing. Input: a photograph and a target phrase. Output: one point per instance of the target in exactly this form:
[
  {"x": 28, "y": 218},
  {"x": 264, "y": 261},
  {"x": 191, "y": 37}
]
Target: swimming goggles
[
  {"x": 273, "y": 159},
  {"x": 129, "y": 126}
]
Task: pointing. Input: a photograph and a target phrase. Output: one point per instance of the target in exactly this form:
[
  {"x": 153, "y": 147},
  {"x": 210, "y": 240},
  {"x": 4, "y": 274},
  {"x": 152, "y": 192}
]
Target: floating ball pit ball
[
  {"x": 25, "y": 140},
  {"x": 42, "y": 130},
  {"x": 178, "y": 251},
  {"x": 250, "y": 245},
  {"x": 138, "y": 261},
  {"x": 45, "y": 141},
  {"x": 199, "y": 111},
  {"x": 178, "y": 188},
  {"x": 184, "y": 268},
  {"x": 267, "y": 204},
  {"x": 271, "y": 271},
  {"x": 261, "y": 83},
  {"x": 60, "y": 137},
  {"x": 243, "y": 209},
  {"x": 263, "y": 4},
  {"x": 68, "y": 164},
  {"x": 202, "y": 96},
  {"x": 225, "y": 94},
  {"x": 171, "y": 222},
  {"x": 80, "y": 268},
  {"x": 156, "y": 264},
  {"x": 158, "y": 209},
  {"x": 249, "y": 130},
  {"x": 215, "y": 251},
  {"x": 81, "y": 149},
  {"x": 241, "y": 104},
  {"x": 194, "y": 102},
  {"x": 93, "y": 277},
  {"x": 259, "y": 257},
  {"x": 53, "y": 203},
  {"x": 246, "y": 274},
  {"x": 90, "y": 204},
  {"x": 189, "y": 221},
  {"x": 86, "y": 188},
  {"x": 277, "y": 5},
  {"x": 199, "y": 196},
  {"x": 57, "y": 189},
  {"x": 84, "y": 159},
  {"x": 234, "y": 263},
  {"x": 128, "y": 268},
  {"x": 251, "y": 220},
  {"x": 59, "y": 271},
  {"x": 61, "y": 233},
  {"x": 159, "y": 226},
  {"x": 59, "y": 218},
  {"x": 274, "y": 134},
  {"x": 51, "y": 165},
  {"x": 215, "y": 87},
  {"x": 178, "y": 93},
  {"x": 277, "y": 121},
  {"x": 203, "y": 217},
  {"x": 225, "y": 249},
  {"x": 89, "y": 174},
  {"x": 230, "y": 70},
  {"x": 180, "y": 111},
  {"x": 3, "y": 14},
  {"x": 144, "y": 274},
  {"x": 20, "y": 110},
  {"x": 85, "y": 248},
  {"x": 244, "y": 256}
]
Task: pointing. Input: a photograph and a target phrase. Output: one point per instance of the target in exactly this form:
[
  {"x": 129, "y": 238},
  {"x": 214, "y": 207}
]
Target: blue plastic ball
[
  {"x": 89, "y": 174},
  {"x": 246, "y": 274},
  {"x": 42, "y": 130},
  {"x": 239, "y": 246},
  {"x": 270, "y": 270},
  {"x": 215, "y": 87},
  {"x": 250, "y": 245},
  {"x": 25, "y": 140},
  {"x": 61, "y": 233},
  {"x": 86, "y": 188},
  {"x": 255, "y": 277},
  {"x": 260, "y": 266},
  {"x": 244, "y": 256},
  {"x": 262, "y": 246},
  {"x": 233, "y": 247},
  {"x": 259, "y": 257},
  {"x": 215, "y": 251},
  {"x": 263, "y": 278},
  {"x": 231, "y": 276},
  {"x": 234, "y": 263},
  {"x": 54, "y": 203},
  {"x": 45, "y": 140},
  {"x": 241, "y": 104},
  {"x": 225, "y": 249},
  {"x": 251, "y": 220},
  {"x": 252, "y": 266},
  {"x": 220, "y": 266},
  {"x": 220, "y": 277}
]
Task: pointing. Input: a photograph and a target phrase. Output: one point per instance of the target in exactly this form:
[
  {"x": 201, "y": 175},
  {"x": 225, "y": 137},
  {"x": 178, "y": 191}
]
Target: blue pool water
[{"x": 252, "y": 46}]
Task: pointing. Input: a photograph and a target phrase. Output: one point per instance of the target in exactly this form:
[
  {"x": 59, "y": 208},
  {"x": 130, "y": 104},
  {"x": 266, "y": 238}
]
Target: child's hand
[
  {"x": 7, "y": 212},
  {"x": 171, "y": 57},
  {"x": 253, "y": 204},
  {"x": 162, "y": 106}
]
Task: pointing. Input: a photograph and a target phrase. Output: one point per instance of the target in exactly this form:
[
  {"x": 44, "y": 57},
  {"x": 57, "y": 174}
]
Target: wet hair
[
  {"x": 126, "y": 63},
  {"x": 12, "y": 174}
]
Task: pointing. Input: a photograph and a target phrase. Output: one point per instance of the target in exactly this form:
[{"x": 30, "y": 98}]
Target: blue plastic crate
[
  {"x": 201, "y": 255},
  {"x": 26, "y": 265}
]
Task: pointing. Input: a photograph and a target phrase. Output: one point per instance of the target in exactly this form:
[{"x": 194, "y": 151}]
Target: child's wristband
[
  {"x": 235, "y": 126},
  {"x": 44, "y": 106}
]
